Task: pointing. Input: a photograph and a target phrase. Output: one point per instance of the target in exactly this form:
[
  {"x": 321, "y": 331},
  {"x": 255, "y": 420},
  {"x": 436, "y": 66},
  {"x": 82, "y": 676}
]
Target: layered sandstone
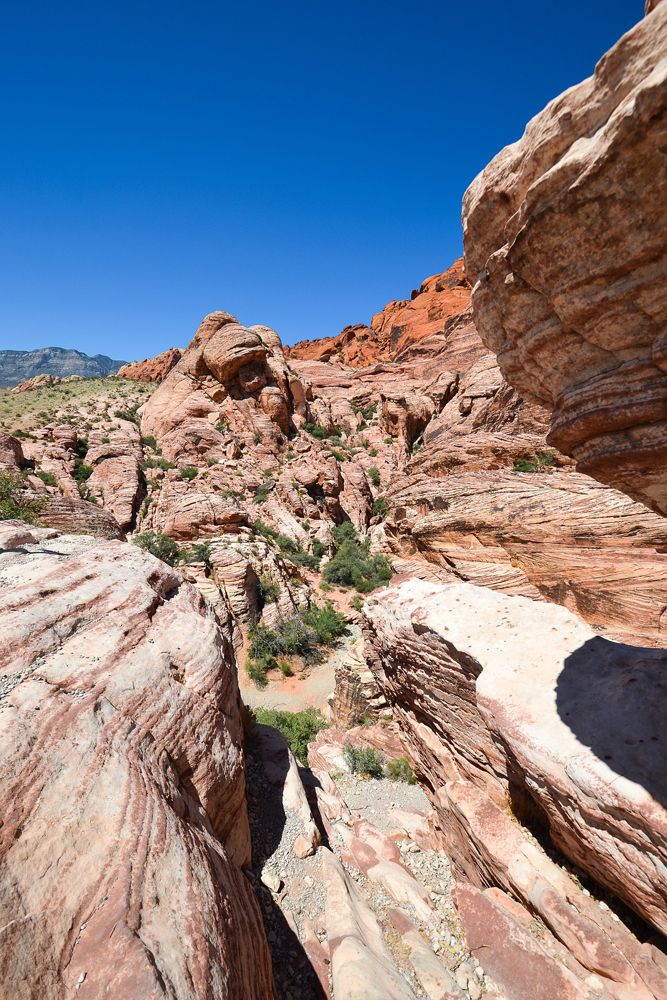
[
  {"x": 511, "y": 706},
  {"x": 398, "y": 327},
  {"x": 565, "y": 245},
  {"x": 151, "y": 369},
  {"x": 123, "y": 836}
]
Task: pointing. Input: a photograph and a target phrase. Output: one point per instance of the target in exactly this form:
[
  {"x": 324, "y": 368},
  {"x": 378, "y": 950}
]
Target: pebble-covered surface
[{"x": 291, "y": 893}]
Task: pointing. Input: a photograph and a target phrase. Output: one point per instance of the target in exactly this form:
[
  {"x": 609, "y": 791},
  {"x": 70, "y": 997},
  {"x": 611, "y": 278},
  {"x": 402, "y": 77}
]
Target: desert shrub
[
  {"x": 417, "y": 445},
  {"x": 188, "y": 472},
  {"x": 338, "y": 455},
  {"x": 380, "y": 507},
  {"x": 198, "y": 552},
  {"x": 321, "y": 433},
  {"x": 257, "y": 673},
  {"x": 374, "y": 476},
  {"x": 373, "y": 452},
  {"x": 357, "y": 602},
  {"x": 269, "y": 590},
  {"x": 15, "y": 501},
  {"x": 353, "y": 565},
  {"x": 47, "y": 477},
  {"x": 157, "y": 463},
  {"x": 541, "y": 461},
  {"x": 400, "y": 770},
  {"x": 149, "y": 442},
  {"x": 326, "y": 587},
  {"x": 388, "y": 440},
  {"x": 367, "y": 412},
  {"x": 327, "y": 623},
  {"x": 363, "y": 760},
  {"x": 257, "y": 438},
  {"x": 129, "y": 413},
  {"x": 289, "y": 548},
  {"x": 302, "y": 635},
  {"x": 158, "y": 545},
  {"x": 285, "y": 668},
  {"x": 222, "y": 426},
  {"x": 262, "y": 492},
  {"x": 319, "y": 548},
  {"x": 18, "y": 433},
  {"x": 298, "y": 728}
]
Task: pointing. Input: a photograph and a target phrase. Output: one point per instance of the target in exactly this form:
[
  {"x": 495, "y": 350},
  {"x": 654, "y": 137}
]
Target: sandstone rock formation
[
  {"x": 515, "y": 707},
  {"x": 151, "y": 369},
  {"x": 564, "y": 242},
  {"x": 44, "y": 382},
  {"x": 399, "y": 326},
  {"x": 124, "y": 824}
]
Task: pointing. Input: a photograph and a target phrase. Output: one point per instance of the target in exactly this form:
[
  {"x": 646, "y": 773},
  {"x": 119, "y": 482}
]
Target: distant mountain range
[{"x": 17, "y": 366}]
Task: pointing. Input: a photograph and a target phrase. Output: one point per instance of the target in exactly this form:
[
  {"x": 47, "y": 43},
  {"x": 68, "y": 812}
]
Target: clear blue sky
[{"x": 297, "y": 164}]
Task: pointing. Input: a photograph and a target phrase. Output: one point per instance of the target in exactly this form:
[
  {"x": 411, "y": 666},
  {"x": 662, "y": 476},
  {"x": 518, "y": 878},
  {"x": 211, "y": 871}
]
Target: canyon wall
[
  {"x": 124, "y": 828},
  {"x": 565, "y": 246}
]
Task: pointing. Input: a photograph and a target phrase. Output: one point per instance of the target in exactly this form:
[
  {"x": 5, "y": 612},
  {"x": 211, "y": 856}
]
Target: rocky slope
[
  {"x": 18, "y": 366},
  {"x": 517, "y": 711},
  {"x": 151, "y": 369},
  {"x": 400, "y": 326},
  {"x": 564, "y": 242},
  {"x": 123, "y": 837}
]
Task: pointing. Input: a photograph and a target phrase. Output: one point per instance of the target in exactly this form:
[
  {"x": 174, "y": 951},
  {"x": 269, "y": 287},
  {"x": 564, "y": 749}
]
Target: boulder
[
  {"x": 564, "y": 242},
  {"x": 512, "y": 706},
  {"x": 122, "y": 783}
]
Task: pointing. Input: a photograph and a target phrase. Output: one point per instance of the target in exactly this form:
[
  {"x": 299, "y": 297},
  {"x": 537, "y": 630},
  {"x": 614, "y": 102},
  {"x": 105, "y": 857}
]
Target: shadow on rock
[
  {"x": 295, "y": 978},
  {"x": 613, "y": 697}
]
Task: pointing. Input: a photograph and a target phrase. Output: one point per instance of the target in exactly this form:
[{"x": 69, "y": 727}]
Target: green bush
[
  {"x": 188, "y": 472},
  {"x": 15, "y": 502},
  {"x": 338, "y": 455},
  {"x": 363, "y": 760},
  {"x": 257, "y": 438},
  {"x": 158, "y": 545},
  {"x": 129, "y": 413},
  {"x": 149, "y": 441},
  {"x": 400, "y": 770},
  {"x": 319, "y": 548},
  {"x": 541, "y": 461},
  {"x": 357, "y": 602},
  {"x": 269, "y": 590},
  {"x": 298, "y": 728},
  {"x": 373, "y": 452},
  {"x": 257, "y": 673},
  {"x": 198, "y": 552},
  {"x": 380, "y": 507},
  {"x": 289, "y": 548},
  {"x": 285, "y": 668},
  {"x": 47, "y": 477},
  {"x": 157, "y": 463},
  {"x": 353, "y": 565},
  {"x": 302, "y": 635},
  {"x": 261, "y": 494},
  {"x": 321, "y": 433},
  {"x": 374, "y": 476}
]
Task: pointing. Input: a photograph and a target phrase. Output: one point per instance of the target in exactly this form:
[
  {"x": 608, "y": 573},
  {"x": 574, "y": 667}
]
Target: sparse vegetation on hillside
[
  {"x": 363, "y": 760},
  {"x": 158, "y": 545},
  {"x": 400, "y": 770},
  {"x": 289, "y": 548},
  {"x": 15, "y": 501},
  {"x": 298, "y": 728},
  {"x": 301, "y": 636},
  {"x": 353, "y": 565},
  {"x": 542, "y": 461},
  {"x": 23, "y": 412}
]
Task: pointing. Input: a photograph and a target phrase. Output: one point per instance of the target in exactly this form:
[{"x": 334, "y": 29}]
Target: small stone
[
  {"x": 474, "y": 990},
  {"x": 272, "y": 882}
]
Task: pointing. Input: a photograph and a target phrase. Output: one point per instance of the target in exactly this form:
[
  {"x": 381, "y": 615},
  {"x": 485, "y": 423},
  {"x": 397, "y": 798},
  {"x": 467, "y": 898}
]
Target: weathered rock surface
[
  {"x": 398, "y": 327},
  {"x": 509, "y": 705},
  {"x": 122, "y": 783},
  {"x": 151, "y": 369},
  {"x": 565, "y": 244}
]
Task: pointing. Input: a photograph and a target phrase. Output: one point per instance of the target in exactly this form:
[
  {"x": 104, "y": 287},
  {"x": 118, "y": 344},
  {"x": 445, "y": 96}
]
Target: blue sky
[{"x": 297, "y": 164}]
